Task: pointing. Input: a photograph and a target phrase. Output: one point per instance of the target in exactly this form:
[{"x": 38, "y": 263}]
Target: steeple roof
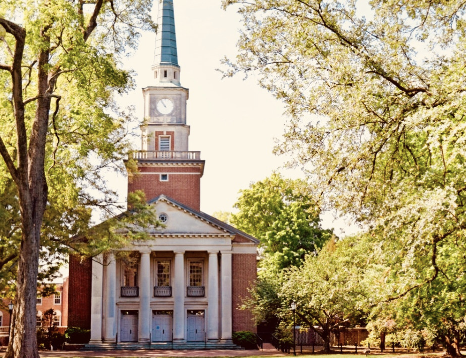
[{"x": 165, "y": 43}]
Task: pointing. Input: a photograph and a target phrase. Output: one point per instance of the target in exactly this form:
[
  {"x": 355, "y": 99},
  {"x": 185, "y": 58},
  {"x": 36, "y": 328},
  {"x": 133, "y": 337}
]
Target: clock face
[{"x": 165, "y": 106}]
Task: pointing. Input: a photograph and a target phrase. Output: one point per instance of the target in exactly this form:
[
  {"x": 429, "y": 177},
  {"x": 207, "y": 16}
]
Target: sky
[{"x": 234, "y": 123}]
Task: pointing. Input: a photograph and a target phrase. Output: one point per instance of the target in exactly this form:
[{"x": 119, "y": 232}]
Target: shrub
[
  {"x": 77, "y": 335},
  {"x": 245, "y": 339},
  {"x": 57, "y": 340}
]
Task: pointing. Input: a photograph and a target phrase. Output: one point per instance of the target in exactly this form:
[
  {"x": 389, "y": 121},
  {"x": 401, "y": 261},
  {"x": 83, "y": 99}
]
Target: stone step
[{"x": 161, "y": 346}]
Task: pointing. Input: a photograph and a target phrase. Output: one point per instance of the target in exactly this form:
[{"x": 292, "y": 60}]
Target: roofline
[{"x": 207, "y": 217}]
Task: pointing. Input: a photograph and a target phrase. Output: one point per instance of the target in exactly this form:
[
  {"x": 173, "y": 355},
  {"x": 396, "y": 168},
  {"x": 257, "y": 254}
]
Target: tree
[
  {"x": 385, "y": 142},
  {"x": 60, "y": 121},
  {"x": 329, "y": 290},
  {"x": 284, "y": 217}
]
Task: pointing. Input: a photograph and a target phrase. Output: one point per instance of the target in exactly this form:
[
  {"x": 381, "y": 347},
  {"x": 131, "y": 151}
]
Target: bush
[
  {"x": 58, "y": 340},
  {"x": 245, "y": 339},
  {"x": 77, "y": 335}
]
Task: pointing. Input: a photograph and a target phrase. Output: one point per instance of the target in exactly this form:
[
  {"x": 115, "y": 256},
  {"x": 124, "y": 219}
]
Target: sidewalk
[{"x": 268, "y": 351}]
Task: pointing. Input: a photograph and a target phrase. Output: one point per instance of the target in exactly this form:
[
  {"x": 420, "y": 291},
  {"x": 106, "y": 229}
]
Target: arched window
[
  {"x": 39, "y": 319},
  {"x": 57, "y": 318},
  {"x": 1, "y": 318}
]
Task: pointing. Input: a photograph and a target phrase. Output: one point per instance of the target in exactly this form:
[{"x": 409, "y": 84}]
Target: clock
[{"x": 165, "y": 106}]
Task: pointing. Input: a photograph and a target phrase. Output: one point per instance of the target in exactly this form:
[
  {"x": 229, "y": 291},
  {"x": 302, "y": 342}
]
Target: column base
[
  {"x": 109, "y": 340},
  {"x": 212, "y": 340},
  {"x": 95, "y": 341},
  {"x": 143, "y": 340},
  {"x": 226, "y": 340}
]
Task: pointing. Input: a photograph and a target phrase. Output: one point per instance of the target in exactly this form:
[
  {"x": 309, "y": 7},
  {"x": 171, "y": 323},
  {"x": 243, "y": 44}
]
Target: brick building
[
  {"x": 58, "y": 302},
  {"x": 185, "y": 284}
]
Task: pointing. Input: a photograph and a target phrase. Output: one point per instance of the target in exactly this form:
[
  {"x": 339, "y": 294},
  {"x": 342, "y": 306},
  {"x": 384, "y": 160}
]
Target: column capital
[
  {"x": 212, "y": 252},
  {"x": 179, "y": 252},
  {"x": 226, "y": 252},
  {"x": 145, "y": 251}
]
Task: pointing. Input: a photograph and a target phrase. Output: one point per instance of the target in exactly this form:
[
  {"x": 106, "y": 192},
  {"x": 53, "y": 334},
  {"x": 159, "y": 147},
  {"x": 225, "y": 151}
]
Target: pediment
[{"x": 181, "y": 220}]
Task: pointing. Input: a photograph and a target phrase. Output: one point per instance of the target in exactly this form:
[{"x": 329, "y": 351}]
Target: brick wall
[
  {"x": 244, "y": 275},
  {"x": 79, "y": 293},
  {"x": 185, "y": 188}
]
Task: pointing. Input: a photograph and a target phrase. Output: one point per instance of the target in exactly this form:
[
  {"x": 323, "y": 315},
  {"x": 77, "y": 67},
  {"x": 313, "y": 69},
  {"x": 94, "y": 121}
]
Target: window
[
  {"x": 57, "y": 298},
  {"x": 163, "y": 218},
  {"x": 163, "y": 273},
  {"x": 195, "y": 273},
  {"x": 163, "y": 177},
  {"x": 164, "y": 143},
  {"x": 57, "y": 319},
  {"x": 39, "y": 319},
  {"x": 130, "y": 277},
  {"x": 39, "y": 299},
  {"x": 174, "y": 75},
  {"x": 1, "y": 318},
  {"x": 165, "y": 74}
]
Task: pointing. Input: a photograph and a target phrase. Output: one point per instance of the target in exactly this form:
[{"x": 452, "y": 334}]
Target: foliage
[
  {"x": 224, "y": 216},
  {"x": 245, "y": 339},
  {"x": 284, "y": 217},
  {"x": 61, "y": 130},
  {"x": 385, "y": 139},
  {"x": 77, "y": 335},
  {"x": 329, "y": 289}
]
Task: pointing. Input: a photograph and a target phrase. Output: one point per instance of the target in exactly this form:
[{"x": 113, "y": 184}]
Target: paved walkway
[{"x": 267, "y": 351}]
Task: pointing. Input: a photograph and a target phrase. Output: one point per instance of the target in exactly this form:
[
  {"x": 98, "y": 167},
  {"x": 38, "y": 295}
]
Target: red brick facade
[
  {"x": 183, "y": 184},
  {"x": 244, "y": 274},
  {"x": 79, "y": 300}
]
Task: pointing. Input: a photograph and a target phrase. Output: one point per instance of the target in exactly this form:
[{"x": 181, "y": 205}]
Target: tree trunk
[
  {"x": 32, "y": 192},
  {"x": 326, "y": 338},
  {"x": 382, "y": 341},
  {"x": 452, "y": 345}
]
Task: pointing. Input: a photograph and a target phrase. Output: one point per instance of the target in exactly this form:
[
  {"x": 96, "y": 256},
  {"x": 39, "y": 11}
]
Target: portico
[{"x": 174, "y": 275}]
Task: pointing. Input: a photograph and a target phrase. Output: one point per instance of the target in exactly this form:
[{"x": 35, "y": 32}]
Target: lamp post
[
  {"x": 10, "y": 310},
  {"x": 293, "y": 308}
]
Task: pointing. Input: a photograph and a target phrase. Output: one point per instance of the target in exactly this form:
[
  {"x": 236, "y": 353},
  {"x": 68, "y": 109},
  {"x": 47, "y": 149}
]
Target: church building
[{"x": 185, "y": 284}]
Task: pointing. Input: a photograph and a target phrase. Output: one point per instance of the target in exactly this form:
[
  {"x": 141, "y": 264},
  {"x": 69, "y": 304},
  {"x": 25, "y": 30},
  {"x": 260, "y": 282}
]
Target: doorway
[
  {"x": 196, "y": 325},
  {"x": 129, "y": 326}
]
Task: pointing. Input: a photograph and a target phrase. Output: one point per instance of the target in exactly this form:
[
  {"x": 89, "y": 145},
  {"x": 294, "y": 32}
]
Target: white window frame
[
  {"x": 190, "y": 261},
  {"x": 156, "y": 276},
  {"x": 164, "y": 177},
  {"x": 166, "y": 138},
  {"x": 39, "y": 319},
  {"x": 57, "y": 319},
  {"x": 55, "y": 298},
  {"x": 39, "y": 300}
]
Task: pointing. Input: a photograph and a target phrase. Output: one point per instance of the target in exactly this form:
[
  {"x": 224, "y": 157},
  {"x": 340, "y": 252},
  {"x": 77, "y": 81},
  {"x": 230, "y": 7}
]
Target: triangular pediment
[{"x": 181, "y": 220}]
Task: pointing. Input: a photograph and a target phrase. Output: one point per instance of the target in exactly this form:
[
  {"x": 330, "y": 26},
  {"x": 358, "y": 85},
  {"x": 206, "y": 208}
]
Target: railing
[
  {"x": 162, "y": 291},
  {"x": 167, "y": 155},
  {"x": 260, "y": 342},
  {"x": 130, "y": 291},
  {"x": 196, "y": 291}
]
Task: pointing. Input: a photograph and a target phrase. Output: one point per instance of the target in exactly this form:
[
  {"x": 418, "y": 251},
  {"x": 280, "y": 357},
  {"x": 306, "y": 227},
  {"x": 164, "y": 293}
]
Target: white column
[
  {"x": 145, "y": 316},
  {"x": 178, "y": 294},
  {"x": 227, "y": 305},
  {"x": 212, "y": 298},
  {"x": 96, "y": 300},
  {"x": 110, "y": 287}
]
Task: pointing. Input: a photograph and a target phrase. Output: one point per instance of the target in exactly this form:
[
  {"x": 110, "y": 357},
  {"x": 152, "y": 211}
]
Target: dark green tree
[{"x": 284, "y": 217}]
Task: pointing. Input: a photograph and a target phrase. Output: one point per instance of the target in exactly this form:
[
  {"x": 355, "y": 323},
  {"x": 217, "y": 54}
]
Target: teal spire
[{"x": 165, "y": 42}]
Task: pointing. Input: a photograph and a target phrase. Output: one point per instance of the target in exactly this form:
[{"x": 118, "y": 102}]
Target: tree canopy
[
  {"x": 375, "y": 95},
  {"x": 61, "y": 128},
  {"x": 284, "y": 217}
]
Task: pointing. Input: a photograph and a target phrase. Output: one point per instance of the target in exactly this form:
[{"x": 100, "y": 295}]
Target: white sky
[{"x": 233, "y": 122}]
